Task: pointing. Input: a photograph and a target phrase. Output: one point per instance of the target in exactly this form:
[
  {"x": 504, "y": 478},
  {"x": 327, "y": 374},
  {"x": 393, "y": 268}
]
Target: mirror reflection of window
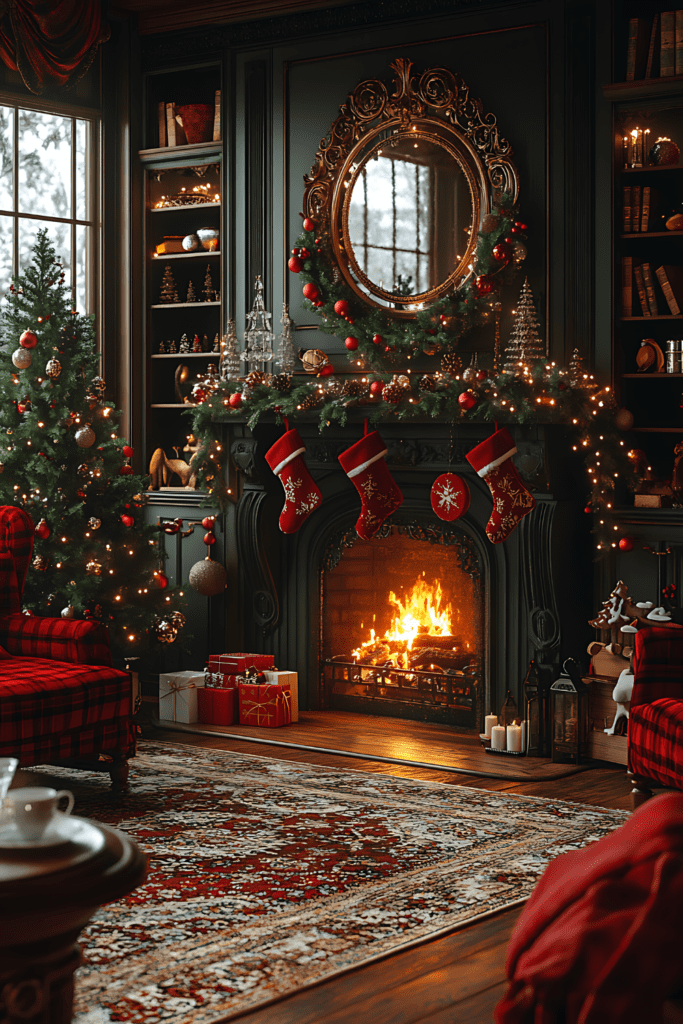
[{"x": 408, "y": 215}]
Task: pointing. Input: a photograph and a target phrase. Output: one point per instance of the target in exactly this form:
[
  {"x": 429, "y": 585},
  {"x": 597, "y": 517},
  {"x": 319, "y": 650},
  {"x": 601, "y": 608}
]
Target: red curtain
[{"x": 52, "y": 42}]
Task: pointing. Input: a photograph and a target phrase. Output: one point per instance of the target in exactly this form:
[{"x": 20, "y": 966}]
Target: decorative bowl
[
  {"x": 664, "y": 152},
  {"x": 208, "y": 238}
]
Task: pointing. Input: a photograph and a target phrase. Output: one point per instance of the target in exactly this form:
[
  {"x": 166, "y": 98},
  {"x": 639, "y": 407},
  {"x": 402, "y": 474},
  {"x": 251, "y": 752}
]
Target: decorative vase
[
  {"x": 197, "y": 119},
  {"x": 208, "y": 237},
  {"x": 664, "y": 152}
]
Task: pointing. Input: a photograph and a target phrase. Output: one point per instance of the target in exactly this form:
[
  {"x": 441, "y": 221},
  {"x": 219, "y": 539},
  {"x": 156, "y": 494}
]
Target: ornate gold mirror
[{"x": 401, "y": 183}]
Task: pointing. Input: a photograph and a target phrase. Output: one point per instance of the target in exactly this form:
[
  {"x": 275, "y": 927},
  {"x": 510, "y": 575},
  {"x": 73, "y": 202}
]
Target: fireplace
[{"x": 312, "y": 598}]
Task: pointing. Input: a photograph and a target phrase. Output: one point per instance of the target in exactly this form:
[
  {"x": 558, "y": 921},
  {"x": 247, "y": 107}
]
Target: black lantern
[{"x": 569, "y": 706}]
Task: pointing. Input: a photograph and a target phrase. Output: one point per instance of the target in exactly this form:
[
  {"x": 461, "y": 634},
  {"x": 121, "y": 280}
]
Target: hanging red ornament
[
  {"x": 484, "y": 284},
  {"x": 161, "y": 579},
  {"x": 588, "y": 510},
  {"x": 302, "y": 253},
  {"x": 626, "y": 543},
  {"x": 450, "y": 497},
  {"x": 209, "y": 538},
  {"x": 28, "y": 340},
  {"x": 377, "y": 387},
  {"x": 521, "y": 225},
  {"x": 310, "y": 291},
  {"x": 126, "y": 471},
  {"x": 209, "y": 522},
  {"x": 514, "y": 230},
  {"x": 127, "y": 520},
  {"x": 502, "y": 252},
  {"x": 172, "y": 526},
  {"x": 467, "y": 400},
  {"x": 308, "y": 225},
  {"x": 326, "y": 371},
  {"x": 377, "y": 339},
  {"x": 508, "y": 240},
  {"x": 127, "y": 451},
  {"x": 43, "y": 530},
  {"x": 295, "y": 265},
  {"x": 481, "y": 375},
  {"x": 235, "y": 400},
  {"x": 341, "y": 307},
  {"x": 351, "y": 343}
]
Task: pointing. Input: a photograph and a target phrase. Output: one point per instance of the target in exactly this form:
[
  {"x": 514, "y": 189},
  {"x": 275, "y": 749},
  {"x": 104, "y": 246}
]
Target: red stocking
[
  {"x": 301, "y": 492},
  {"x": 364, "y": 463},
  {"x": 492, "y": 460}
]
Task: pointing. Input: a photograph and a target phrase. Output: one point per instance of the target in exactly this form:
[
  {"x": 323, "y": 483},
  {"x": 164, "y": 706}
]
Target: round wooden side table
[{"x": 47, "y": 896}]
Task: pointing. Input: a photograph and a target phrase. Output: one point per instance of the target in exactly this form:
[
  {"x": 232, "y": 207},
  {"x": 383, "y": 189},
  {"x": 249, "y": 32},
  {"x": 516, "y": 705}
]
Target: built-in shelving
[
  {"x": 204, "y": 150},
  {"x": 199, "y": 255},
  {"x": 650, "y": 376},
  {"x": 650, "y": 234},
  {"x": 661, "y": 316},
  {"x": 182, "y": 305},
  {"x": 184, "y": 355},
  {"x": 189, "y": 206}
]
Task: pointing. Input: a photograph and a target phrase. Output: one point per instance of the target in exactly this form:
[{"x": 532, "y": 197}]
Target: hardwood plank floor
[{"x": 455, "y": 979}]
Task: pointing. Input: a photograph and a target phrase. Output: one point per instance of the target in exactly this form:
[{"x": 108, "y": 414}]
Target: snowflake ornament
[{"x": 450, "y": 497}]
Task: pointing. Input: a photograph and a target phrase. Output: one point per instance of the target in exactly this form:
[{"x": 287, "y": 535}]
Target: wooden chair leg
[
  {"x": 119, "y": 774},
  {"x": 641, "y": 789}
]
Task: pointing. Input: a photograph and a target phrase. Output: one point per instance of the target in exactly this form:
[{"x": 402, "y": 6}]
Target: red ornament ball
[
  {"x": 377, "y": 339},
  {"x": 172, "y": 527},
  {"x": 484, "y": 284},
  {"x": 326, "y": 371},
  {"x": 127, "y": 451},
  {"x": 588, "y": 510},
  {"x": 126, "y": 471},
  {"x": 295, "y": 265},
  {"x": 308, "y": 224},
  {"x": 235, "y": 400},
  {"x": 209, "y": 539},
  {"x": 43, "y": 530},
  {"x": 341, "y": 307},
  {"x": 302, "y": 253},
  {"x": 28, "y": 340},
  {"x": 127, "y": 520},
  {"x": 502, "y": 252},
  {"x": 377, "y": 387},
  {"x": 351, "y": 343},
  {"x": 514, "y": 230},
  {"x": 508, "y": 240},
  {"x": 311, "y": 291},
  {"x": 466, "y": 400},
  {"x": 481, "y": 375},
  {"x": 161, "y": 580},
  {"x": 209, "y": 522},
  {"x": 450, "y": 497},
  {"x": 626, "y": 543}
]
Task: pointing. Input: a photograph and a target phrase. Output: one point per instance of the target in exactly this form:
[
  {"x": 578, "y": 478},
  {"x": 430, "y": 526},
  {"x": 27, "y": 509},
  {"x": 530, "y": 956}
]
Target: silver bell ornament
[
  {"x": 22, "y": 358},
  {"x": 53, "y": 368},
  {"x": 208, "y": 577},
  {"x": 68, "y": 612},
  {"x": 84, "y": 436}
]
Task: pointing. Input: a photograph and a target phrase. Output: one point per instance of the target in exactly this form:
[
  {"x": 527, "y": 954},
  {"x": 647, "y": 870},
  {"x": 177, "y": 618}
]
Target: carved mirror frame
[{"x": 435, "y": 105}]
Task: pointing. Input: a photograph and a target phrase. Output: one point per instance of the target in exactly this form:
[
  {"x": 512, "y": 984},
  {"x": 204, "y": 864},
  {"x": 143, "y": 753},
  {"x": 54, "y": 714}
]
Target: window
[{"x": 46, "y": 181}]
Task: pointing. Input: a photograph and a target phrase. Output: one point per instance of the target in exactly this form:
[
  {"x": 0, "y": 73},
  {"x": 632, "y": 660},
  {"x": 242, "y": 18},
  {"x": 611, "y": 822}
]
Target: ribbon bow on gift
[{"x": 175, "y": 687}]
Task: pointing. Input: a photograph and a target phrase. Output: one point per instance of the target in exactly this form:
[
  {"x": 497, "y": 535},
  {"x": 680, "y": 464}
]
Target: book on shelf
[
  {"x": 627, "y": 286},
  {"x": 678, "y": 42},
  {"x": 217, "y": 117},
  {"x": 640, "y": 285},
  {"x": 161, "y": 107},
  {"x": 652, "y": 66},
  {"x": 649, "y": 282},
  {"x": 170, "y": 125},
  {"x": 170, "y": 243},
  {"x": 645, "y": 208},
  {"x": 667, "y": 47},
  {"x": 635, "y": 207},
  {"x": 626, "y": 215},
  {"x": 671, "y": 280},
  {"x": 636, "y": 53}
]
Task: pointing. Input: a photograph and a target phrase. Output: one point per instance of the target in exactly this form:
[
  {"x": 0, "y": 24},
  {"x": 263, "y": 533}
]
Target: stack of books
[
  {"x": 655, "y": 47},
  {"x": 664, "y": 300},
  {"x": 171, "y": 132}
]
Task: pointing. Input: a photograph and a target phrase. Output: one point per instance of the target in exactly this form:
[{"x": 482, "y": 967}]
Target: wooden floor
[{"x": 456, "y": 979}]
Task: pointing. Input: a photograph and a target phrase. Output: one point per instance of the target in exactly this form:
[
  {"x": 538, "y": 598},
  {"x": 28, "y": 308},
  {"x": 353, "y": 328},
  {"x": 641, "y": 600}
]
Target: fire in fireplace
[{"x": 403, "y": 629}]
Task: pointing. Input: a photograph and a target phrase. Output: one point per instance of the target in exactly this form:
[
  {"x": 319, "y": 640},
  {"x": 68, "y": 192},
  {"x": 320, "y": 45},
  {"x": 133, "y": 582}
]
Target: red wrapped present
[
  {"x": 217, "y": 706},
  {"x": 237, "y": 664},
  {"x": 265, "y": 704},
  {"x": 222, "y": 682}
]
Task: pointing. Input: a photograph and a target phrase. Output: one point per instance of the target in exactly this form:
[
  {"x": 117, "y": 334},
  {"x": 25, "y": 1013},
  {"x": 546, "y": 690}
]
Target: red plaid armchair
[
  {"x": 655, "y": 727},
  {"x": 61, "y": 702}
]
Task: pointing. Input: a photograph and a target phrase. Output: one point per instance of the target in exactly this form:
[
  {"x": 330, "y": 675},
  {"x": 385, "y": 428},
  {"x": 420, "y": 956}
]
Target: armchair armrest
[
  {"x": 80, "y": 641},
  {"x": 658, "y": 664}
]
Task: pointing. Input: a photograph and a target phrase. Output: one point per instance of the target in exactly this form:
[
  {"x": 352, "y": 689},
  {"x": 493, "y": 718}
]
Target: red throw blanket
[{"x": 599, "y": 941}]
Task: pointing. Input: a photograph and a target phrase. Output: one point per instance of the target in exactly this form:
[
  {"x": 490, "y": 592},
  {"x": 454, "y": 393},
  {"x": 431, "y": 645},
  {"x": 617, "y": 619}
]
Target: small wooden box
[{"x": 601, "y": 712}]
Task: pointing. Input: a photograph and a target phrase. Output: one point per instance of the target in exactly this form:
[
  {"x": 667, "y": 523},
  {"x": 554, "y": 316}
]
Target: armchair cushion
[
  {"x": 655, "y": 741},
  {"x": 81, "y": 641},
  {"x": 657, "y": 665},
  {"x": 16, "y": 548}
]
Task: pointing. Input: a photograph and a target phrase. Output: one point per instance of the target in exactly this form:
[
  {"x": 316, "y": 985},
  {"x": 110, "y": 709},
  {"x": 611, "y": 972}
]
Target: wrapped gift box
[
  {"x": 217, "y": 706},
  {"x": 221, "y": 681},
  {"x": 265, "y": 704},
  {"x": 284, "y": 679},
  {"x": 178, "y": 696},
  {"x": 237, "y": 664}
]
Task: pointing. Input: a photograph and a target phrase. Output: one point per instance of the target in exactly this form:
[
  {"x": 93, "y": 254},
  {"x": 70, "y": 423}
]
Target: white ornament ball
[
  {"x": 84, "y": 436},
  {"x": 22, "y": 358},
  {"x": 208, "y": 577},
  {"x": 68, "y": 613}
]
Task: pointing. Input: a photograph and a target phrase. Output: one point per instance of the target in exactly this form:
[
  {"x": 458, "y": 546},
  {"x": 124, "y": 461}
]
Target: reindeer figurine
[{"x": 162, "y": 469}]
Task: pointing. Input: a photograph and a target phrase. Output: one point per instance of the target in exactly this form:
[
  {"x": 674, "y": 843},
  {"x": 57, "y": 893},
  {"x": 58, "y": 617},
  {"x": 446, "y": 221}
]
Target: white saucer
[{"x": 60, "y": 830}]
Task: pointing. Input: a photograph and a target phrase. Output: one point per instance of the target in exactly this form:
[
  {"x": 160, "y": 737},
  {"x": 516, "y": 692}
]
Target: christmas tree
[
  {"x": 230, "y": 357},
  {"x": 65, "y": 464},
  {"x": 286, "y": 355},
  {"x": 191, "y": 295},
  {"x": 525, "y": 345},
  {"x": 209, "y": 291},
  {"x": 169, "y": 291}
]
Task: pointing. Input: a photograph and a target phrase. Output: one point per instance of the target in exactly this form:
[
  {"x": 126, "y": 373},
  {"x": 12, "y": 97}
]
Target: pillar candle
[
  {"x": 489, "y": 723},
  {"x": 514, "y": 738},
  {"x": 498, "y": 737},
  {"x": 524, "y": 728}
]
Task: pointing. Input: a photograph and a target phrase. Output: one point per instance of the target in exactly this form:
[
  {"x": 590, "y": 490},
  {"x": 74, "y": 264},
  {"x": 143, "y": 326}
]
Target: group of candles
[
  {"x": 511, "y": 737},
  {"x": 635, "y": 147}
]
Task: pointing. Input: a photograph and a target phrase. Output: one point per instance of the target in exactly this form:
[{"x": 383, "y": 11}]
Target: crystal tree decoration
[
  {"x": 258, "y": 337},
  {"x": 230, "y": 357},
  {"x": 286, "y": 356},
  {"x": 525, "y": 345}
]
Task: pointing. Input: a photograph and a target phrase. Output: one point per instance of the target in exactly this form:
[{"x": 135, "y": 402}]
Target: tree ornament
[
  {"x": 209, "y": 522},
  {"x": 94, "y": 524},
  {"x": 341, "y": 307},
  {"x": 471, "y": 371},
  {"x": 209, "y": 538},
  {"x": 484, "y": 284},
  {"x": 53, "y": 368},
  {"x": 85, "y": 436},
  {"x": 160, "y": 578},
  {"x": 258, "y": 337},
  {"x": 208, "y": 577},
  {"x": 43, "y": 530},
  {"x": 191, "y": 294},
  {"x": 282, "y": 383},
  {"x": 169, "y": 291},
  {"x": 492, "y": 461},
  {"x": 68, "y": 612},
  {"x": 327, "y": 370},
  {"x": 229, "y": 364},
  {"x": 208, "y": 290},
  {"x": 576, "y": 371},
  {"x": 426, "y": 383},
  {"x": 309, "y": 225},
  {"x": 519, "y": 252},
  {"x": 28, "y": 339},
  {"x": 41, "y": 562},
  {"x": 178, "y": 620},
  {"x": 295, "y": 264},
  {"x": 235, "y": 400},
  {"x": 172, "y": 526},
  {"x": 451, "y": 364},
  {"x": 94, "y": 568},
  {"x": 624, "y": 419},
  {"x": 502, "y": 252},
  {"x": 525, "y": 345},
  {"x": 393, "y": 392},
  {"x": 377, "y": 339},
  {"x": 126, "y": 471},
  {"x": 377, "y": 387},
  {"x": 351, "y": 343},
  {"x": 98, "y": 384},
  {"x": 313, "y": 359},
  {"x": 22, "y": 358},
  {"x": 626, "y": 543},
  {"x": 311, "y": 291},
  {"x": 127, "y": 520},
  {"x": 164, "y": 631},
  {"x": 481, "y": 375},
  {"x": 364, "y": 465},
  {"x": 467, "y": 400},
  {"x": 450, "y": 497}
]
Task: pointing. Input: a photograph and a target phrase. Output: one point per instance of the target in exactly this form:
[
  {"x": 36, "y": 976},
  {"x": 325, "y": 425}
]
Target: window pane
[
  {"x": 44, "y": 164},
  {"x": 83, "y": 154},
  {"x": 59, "y": 235},
  {"x": 6, "y": 158},
  {"x": 83, "y": 270},
  {"x": 6, "y": 249}
]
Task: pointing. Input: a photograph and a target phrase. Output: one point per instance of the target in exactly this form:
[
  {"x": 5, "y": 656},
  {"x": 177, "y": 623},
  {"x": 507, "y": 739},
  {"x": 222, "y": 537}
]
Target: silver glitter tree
[
  {"x": 525, "y": 345},
  {"x": 258, "y": 337},
  {"x": 286, "y": 356},
  {"x": 230, "y": 357}
]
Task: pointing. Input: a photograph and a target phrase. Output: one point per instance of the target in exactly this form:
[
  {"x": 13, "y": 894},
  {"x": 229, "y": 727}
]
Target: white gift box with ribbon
[
  {"x": 290, "y": 679},
  {"x": 178, "y": 696}
]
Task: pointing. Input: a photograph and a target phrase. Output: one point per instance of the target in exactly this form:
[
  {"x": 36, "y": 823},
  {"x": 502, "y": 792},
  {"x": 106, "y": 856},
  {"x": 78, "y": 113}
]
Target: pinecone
[
  {"x": 257, "y": 377},
  {"x": 451, "y": 363},
  {"x": 426, "y": 383},
  {"x": 310, "y": 400},
  {"x": 401, "y": 378},
  {"x": 282, "y": 382},
  {"x": 393, "y": 392},
  {"x": 352, "y": 388}
]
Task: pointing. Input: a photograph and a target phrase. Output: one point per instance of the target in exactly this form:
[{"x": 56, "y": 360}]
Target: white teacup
[{"x": 32, "y": 809}]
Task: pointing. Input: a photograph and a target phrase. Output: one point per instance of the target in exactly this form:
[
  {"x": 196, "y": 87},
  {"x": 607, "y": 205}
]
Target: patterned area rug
[{"x": 266, "y": 876}]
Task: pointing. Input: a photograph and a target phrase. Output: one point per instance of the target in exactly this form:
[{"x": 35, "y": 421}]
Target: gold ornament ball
[
  {"x": 178, "y": 619},
  {"x": 313, "y": 360},
  {"x": 402, "y": 379},
  {"x": 84, "y": 436},
  {"x": 22, "y": 358},
  {"x": 94, "y": 568},
  {"x": 94, "y": 524},
  {"x": 208, "y": 577},
  {"x": 53, "y": 368},
  {"x": 98, "y": 384},
  {"x": 623, "y": 419},
  {"x": 41, "y": 562},
  {"x": 165, "y": 631}
]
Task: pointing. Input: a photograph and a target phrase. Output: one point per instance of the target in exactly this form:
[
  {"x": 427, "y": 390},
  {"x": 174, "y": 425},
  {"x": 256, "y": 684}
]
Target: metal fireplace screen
[{"x": 402, "y": 625}]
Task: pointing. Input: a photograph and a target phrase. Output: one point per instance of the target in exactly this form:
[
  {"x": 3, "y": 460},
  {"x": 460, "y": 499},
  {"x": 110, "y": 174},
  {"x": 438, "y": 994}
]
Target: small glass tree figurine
[
  {"x": 258, "y": 337},
  {"x": 169, "y": 291},
  {"x": 525, "y": 345},
  {"x": 230, "y": 357},
  {"x": 286, "y": 356}
]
